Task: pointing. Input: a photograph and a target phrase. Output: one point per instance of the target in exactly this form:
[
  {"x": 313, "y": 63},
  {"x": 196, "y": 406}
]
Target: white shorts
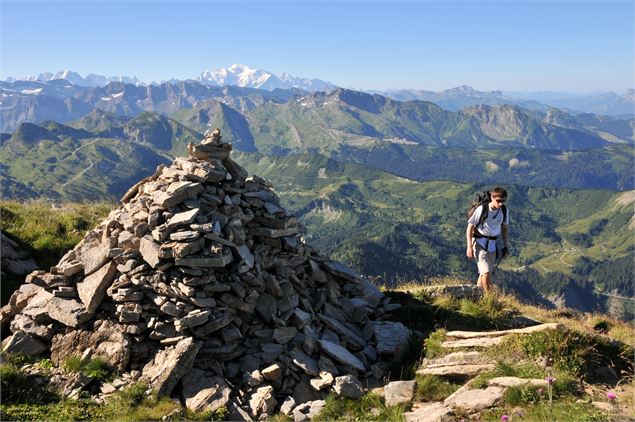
[{"x": 484, "y": 260}]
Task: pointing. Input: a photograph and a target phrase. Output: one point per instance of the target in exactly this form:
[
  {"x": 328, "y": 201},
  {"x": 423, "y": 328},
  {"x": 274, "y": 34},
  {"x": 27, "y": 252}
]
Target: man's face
[{"x": 497, "y": 202}]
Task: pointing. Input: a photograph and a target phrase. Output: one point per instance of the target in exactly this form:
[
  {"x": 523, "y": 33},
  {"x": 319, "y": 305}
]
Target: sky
[{"x": 576, "y": 46}]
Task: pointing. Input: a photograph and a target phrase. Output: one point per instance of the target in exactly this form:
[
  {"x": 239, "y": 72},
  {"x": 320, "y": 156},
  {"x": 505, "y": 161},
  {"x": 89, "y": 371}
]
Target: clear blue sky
[{"x": 508, "y": 45}]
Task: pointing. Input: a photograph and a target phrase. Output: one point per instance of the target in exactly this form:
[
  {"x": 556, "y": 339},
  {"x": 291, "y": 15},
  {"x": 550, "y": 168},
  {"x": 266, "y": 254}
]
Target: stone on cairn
[{"x": 201, "y": 281}]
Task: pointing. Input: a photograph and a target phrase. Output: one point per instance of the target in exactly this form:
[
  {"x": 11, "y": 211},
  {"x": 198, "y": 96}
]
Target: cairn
[{"x": 201, "y": 286}]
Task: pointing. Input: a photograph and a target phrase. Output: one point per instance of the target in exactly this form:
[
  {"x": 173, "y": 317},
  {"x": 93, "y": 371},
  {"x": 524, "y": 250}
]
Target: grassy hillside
[
  {"x": 403, "y": 230},
  {"x": 98, "y": 157}
]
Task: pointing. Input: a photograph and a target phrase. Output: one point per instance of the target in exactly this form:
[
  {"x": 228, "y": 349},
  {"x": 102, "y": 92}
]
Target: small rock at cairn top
[{"x": 212, "y": 137}]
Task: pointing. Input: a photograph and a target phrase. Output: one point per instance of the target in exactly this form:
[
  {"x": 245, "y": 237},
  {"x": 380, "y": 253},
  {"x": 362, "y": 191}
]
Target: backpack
[{"x": 482, "y": 199}]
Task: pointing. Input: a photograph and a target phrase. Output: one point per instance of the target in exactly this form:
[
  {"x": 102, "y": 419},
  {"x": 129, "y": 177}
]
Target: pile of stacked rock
[{"x": 201, "y": 279}]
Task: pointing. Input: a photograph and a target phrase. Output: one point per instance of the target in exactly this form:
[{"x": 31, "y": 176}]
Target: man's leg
[{"x": 486, "y": 282}]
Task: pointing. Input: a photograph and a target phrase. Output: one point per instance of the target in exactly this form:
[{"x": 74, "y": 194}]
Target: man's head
[{"x": 499, "y": 196}]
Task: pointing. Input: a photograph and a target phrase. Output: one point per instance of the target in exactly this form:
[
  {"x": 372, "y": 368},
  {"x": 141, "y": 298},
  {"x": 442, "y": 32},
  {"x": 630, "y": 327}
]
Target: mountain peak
[{"x": 244, "y": 76}]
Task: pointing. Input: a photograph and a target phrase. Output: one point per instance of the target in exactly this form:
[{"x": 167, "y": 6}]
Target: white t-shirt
[{"x": 492, "y": 225}]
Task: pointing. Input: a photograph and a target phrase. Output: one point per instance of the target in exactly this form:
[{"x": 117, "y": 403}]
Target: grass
[
  {"x": 566, "y": 410},
  {"x": 367, "y": 408},
  {"x": 97, "y": 367},
  {"x": 434, "y": 388},
  {"x": 49, "y": 230},
  {"x": 433, "y": 343},
  {"x": 129, "y": 404}
]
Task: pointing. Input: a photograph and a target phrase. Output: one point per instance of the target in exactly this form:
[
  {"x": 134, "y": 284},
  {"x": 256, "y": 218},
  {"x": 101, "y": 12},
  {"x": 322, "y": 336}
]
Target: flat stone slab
[
  {"x": 473, "y": 342},
  {"x": 342, "y": 355},
  {"x": 515, "y": 381},
  {"x": 526, "y": 330},
  {"x": 185, "y": 217},
  {"x": 472, "y": 357},
  {"x": 456, "y": 370},
  {"x": 428, "y": 412},
  {"x": 475, "y": 400}
]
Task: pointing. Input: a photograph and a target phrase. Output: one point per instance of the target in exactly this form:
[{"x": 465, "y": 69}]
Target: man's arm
[{"x": 469, "y": 233}]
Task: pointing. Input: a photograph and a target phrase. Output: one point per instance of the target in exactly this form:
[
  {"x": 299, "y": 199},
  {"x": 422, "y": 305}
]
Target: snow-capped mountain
[
  {"x": 244, "y": 76},
  {"x": 91, "y": 80}
]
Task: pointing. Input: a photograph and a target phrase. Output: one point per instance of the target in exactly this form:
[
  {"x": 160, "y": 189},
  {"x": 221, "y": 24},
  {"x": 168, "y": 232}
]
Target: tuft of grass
[
  {"x": 97, "y": 367},
  {"x": 434, "y": 388},
  {"x": 367, "y": 408},
  {"x": 433, "y": 343}
]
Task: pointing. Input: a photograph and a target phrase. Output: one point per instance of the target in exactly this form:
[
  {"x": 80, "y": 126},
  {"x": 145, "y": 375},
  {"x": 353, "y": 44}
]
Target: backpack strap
[{"x": 484, "y": 214}]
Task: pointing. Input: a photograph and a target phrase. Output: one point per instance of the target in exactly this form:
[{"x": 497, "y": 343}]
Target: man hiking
[{"x": 484, "y": 227}]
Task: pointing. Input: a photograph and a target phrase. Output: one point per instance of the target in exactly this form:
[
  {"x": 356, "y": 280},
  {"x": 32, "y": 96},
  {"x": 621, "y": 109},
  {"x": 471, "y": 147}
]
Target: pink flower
[
  {"x": 541, "y": 391},
  {"x": 504, "y": 418},
  {"x": 611, "y": 395},
  {"x": 550, "y": 380}
]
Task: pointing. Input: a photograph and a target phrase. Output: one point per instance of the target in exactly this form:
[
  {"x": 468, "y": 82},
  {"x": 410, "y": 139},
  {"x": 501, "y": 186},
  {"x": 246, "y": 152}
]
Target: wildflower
[
  {"x": 550, "y": 380},
  {"x": 611, "y": 395},
  {"x": 504, "y": 418},
  {"x": 541, "y": 391}
]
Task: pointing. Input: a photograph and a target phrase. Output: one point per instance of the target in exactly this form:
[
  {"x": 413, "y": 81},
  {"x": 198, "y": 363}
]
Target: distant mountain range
[
  {"x": 76, "y": 79},
  {"x": 240, "y": 75},
  {"x": 603, "y": 103}
]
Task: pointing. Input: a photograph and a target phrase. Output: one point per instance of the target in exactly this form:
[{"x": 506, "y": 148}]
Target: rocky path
[{"x": 466, "y": 364}]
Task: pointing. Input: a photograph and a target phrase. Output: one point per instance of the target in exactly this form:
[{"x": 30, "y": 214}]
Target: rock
[
  {"x": 182, "y": 218},
  {"x": 391, "y": 337},
  {"x": 348, "y": 386},
  {"x": 428, "y": 412},
  {"x": 342, "y": 355},
  {"x": 150, "y": 251},
  {"x": 515, "y": 381},
  {"x": 262, "y": 402},
  {"x": 30, "y": 327},
  {"x": 309, "y": 410},
  {"x": 15, "y": 260},
  {"x": 21, "y": 342},
  {"x": 287, "y": 406},
  {"x": 67, "y": 311},
  {"x": 169, "y": 366},
  {"x": 463, "y": 370},
  {"x": 482, "y": 334},
  {"x": 473, "y": 342},
  {"x": 398, "y": 392},
  {"x": 341, "y": 270},
  {"x": 304, "y": 362},
  {"x": 273, "y": 373},
  {"x": 92, "y": 253},
  {"x": 475, "y": 400},
  {"x": 110, "y": 342},
  {"x": 457, "y": 358},
  {"x": 284, "y": 335},
  {"x": 93, "y": 288},
  {"x": 325, "y": 380},
  {"x": 204, "y": 393}
]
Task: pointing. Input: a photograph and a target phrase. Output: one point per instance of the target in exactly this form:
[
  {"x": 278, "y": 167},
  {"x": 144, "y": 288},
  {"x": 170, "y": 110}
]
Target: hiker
[{"x": 485, "y": 226}]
